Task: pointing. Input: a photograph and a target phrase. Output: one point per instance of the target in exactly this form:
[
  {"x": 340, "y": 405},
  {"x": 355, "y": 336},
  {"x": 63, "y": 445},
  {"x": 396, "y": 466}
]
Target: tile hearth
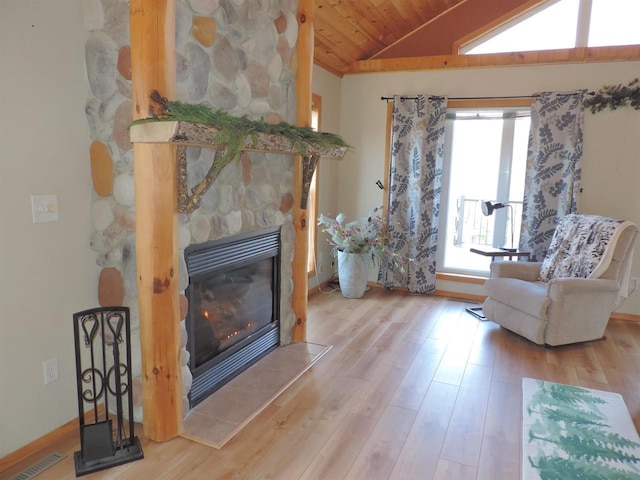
[{"x": 217, "y": 419}]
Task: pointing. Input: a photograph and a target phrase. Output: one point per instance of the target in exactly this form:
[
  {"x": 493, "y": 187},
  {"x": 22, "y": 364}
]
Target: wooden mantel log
[
  {"x": 153, "y": 68},
  {"x": 204, "y": 136}
]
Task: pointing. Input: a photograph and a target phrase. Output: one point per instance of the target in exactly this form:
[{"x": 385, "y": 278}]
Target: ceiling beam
[{"x": 542, "y": 57}]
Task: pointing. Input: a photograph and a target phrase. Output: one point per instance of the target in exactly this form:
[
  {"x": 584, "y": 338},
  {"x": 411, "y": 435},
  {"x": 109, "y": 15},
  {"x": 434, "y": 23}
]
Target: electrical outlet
[{"x": 50, "y": 370}]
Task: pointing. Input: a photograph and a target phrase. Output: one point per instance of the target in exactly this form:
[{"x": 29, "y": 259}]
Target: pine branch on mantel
[{"x": 199, "y": 125}]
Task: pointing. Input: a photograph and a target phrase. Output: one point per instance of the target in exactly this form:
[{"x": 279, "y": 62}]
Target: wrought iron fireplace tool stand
[{"x": 103, "y": 375}]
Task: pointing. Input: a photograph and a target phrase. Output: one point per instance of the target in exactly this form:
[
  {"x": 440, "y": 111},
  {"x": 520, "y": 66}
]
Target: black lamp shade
[{"x": 488, "y": 207}]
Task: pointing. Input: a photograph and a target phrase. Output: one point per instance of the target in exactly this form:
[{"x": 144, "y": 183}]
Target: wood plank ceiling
[{"x": 347, "y": 31}]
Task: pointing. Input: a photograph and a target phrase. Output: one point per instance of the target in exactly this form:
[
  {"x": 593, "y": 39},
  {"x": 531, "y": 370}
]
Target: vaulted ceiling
[{"x": 347, "y": 31}]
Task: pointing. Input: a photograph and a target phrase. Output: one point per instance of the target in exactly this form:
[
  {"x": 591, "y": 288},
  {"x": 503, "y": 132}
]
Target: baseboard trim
[
  {"x": 317, "y": 288},
  {"x": 630, "y": 317},
  {"x": 460, "y": 278},
  {"x": 460, "y": 295},
  {"x": 439, "y": 293},
  {"x": 48, "y": 439}
]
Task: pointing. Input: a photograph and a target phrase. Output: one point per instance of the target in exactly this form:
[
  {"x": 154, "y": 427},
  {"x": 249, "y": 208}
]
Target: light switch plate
[{"x": 44, "y": 208}]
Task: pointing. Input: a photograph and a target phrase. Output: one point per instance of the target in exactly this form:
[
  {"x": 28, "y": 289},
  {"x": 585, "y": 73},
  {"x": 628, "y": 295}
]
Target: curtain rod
[{"x": 390, "y": 99}]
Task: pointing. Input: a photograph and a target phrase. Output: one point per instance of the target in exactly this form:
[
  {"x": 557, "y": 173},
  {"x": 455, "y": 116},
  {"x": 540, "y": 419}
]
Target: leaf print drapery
[
  {"x": 417, "y": 148},
  {"x": 553, "y": 174}
]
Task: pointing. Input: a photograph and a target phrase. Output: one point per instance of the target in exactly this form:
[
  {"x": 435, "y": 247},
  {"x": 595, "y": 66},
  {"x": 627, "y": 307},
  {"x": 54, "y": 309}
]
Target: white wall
[
  {"x": 47, "y": 271},
  {"x": 611, "y": 163},
  {"x": 327, "y": 86}
]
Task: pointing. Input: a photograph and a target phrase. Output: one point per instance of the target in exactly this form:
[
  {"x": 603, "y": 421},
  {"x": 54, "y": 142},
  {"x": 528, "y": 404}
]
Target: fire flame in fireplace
[
  {"x": 231, "y": 335},
  {"x": 238, "y": 332}
]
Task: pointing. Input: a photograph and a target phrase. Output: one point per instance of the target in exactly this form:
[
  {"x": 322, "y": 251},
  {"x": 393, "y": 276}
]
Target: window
[
  {"x": 614, "y": 22},
  {"x": 312, "y": 203},
  {"x": 565, "y": 24},
  {"x": 485, "y": 160}
]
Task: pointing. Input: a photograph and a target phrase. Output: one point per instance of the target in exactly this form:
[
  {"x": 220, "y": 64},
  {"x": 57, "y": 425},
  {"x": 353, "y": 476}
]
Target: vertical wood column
[
  {"x": 303, "y": 119},
  {"x": 155, "y": 168}
]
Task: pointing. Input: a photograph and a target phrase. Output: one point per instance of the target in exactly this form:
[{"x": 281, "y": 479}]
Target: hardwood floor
[{"x": 413, "y": 388}]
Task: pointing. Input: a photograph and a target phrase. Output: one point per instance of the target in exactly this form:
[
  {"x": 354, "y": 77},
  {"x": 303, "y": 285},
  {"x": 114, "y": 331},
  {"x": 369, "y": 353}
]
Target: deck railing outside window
[{"x": 474, "y": 228}]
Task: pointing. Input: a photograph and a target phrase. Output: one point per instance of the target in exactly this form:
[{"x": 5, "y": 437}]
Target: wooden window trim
[{"x": 312, "y": 207}]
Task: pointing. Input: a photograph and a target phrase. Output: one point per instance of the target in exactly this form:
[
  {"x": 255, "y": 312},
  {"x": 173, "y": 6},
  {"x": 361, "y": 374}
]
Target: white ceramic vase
[{"x": 353, "y": 273}]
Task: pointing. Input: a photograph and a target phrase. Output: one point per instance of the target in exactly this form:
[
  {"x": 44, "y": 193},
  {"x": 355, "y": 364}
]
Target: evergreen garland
[
  {"x": 614, "y": 96},
  {"x": 233, "y": 131}
]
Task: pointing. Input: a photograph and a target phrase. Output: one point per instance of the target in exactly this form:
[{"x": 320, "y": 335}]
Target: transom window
[{"x": 564, "y": 24}]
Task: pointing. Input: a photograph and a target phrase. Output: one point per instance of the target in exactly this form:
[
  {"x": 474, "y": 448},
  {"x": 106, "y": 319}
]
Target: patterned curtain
[
  {"x": 417, "y": 146},
  {"x": 552, "y": 182}
]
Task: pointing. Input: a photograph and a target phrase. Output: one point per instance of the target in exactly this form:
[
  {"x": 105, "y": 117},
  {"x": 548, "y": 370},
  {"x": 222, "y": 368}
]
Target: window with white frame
[
  {"x": 564, "y": 24},
  {"x": 485, "y": 160}
]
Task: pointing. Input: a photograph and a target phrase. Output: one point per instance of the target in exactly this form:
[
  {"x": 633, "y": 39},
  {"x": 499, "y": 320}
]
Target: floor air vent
[{"x": 40, "y": 466}]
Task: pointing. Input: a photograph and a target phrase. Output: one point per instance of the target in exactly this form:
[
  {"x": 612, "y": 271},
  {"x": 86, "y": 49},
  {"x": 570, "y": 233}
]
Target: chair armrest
[
  {"x": 579, "y": 309},
  {"x": 527, "y": 271},
  {"x": 563, "y": 286}
]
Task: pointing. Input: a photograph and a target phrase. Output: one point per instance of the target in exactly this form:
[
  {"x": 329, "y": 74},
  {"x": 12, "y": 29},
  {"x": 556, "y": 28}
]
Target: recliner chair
[{"x": 568, "y": 297}]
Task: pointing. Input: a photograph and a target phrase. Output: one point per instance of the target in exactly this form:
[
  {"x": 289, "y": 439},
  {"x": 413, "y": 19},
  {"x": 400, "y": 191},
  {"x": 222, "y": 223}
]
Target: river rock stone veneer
[{"x": 235, "y": 55}]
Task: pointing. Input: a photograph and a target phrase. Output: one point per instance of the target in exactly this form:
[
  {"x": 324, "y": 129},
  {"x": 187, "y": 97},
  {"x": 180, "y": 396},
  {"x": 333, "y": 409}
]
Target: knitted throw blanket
[{"x": 580, "y": 247}]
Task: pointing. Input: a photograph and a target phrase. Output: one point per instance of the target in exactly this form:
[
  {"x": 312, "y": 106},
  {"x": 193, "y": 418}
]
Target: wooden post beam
[
  {"x": 153, "y": 67},
  {"x": 304, "y": 52}
]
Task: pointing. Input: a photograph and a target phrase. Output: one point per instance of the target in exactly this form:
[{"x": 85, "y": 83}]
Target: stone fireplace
[{"x": 232, "y": 55}]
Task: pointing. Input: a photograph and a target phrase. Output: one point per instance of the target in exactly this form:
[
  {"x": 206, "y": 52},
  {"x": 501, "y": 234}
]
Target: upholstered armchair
[{"x": 569, "y": 296}]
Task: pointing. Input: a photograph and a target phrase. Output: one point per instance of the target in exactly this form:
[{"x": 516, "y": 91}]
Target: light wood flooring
[{"x": 413, "y": 388}]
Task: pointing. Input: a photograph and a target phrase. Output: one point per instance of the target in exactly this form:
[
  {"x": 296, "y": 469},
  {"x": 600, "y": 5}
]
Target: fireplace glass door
[
  {"x": 230, "y": 306},
  {"x": 234, "y": 298}
]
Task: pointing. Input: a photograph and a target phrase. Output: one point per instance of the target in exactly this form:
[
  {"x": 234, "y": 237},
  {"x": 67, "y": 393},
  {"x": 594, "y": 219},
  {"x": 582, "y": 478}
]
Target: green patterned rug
[{"x": 576, "y": 433}]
